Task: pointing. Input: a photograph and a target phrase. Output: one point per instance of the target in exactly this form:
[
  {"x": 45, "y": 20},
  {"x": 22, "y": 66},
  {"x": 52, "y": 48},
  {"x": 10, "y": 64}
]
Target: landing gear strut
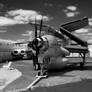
[
  {"x": 44, "y": 67},
  {"x": 83, "y": 62}
]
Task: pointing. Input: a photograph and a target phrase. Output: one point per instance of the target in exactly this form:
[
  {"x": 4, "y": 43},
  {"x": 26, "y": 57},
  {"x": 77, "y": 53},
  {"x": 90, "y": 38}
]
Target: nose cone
[{"x": 33, "y": 44}]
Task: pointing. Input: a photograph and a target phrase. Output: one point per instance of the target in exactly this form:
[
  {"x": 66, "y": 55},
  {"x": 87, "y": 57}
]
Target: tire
[{"x": 82, "y": 65}]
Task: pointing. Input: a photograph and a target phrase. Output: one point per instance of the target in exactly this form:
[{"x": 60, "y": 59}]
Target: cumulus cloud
[
  {"x": 4, "y": 21},
  {"x": 71, "y": 11},
  {"x": 72, "y": 8},
  {"x": 71, "y": 14},
  {"x": 21, "y": 12},
  {"x": 21, "y": 16},
  {"x": 26, "y": 15},
  {"x": 82, "y": 30}
]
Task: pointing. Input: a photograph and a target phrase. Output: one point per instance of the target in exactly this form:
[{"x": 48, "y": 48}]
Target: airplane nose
[{"x": 36, "y": 43}]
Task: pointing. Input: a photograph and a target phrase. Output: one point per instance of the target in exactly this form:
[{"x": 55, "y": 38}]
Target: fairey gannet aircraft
[
  {"x": 11, "y": 50},
  {"x": 50, "y": 47}
]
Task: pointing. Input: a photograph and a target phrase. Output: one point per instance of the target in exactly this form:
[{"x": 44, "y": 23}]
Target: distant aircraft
[
  {"x": 50, "y": 47},
  {"x": 10, "y": 50}
]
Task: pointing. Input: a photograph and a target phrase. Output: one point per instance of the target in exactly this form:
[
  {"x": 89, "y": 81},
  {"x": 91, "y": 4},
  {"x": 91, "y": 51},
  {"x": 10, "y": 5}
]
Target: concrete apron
[{"x": 7, "y": 76}]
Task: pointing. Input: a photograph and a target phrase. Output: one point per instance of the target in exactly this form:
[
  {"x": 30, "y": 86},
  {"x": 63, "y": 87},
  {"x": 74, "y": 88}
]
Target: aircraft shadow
[{"x": 74, "y": 67}]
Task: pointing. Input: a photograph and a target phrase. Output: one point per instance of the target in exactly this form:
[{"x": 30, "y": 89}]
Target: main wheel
[{"x": 82, "y": 65}]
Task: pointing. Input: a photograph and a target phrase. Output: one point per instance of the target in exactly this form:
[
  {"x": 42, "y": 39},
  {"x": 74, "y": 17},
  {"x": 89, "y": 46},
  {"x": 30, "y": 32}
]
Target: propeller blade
[
  {"x": 36, "y": 43},
  {"x": 41, "y": 27},
  {"x": 35, "y": 28}
]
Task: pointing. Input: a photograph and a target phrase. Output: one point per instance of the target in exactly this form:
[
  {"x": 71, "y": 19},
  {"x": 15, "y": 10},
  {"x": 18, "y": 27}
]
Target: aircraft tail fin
[{"x": 75, "y": 25}]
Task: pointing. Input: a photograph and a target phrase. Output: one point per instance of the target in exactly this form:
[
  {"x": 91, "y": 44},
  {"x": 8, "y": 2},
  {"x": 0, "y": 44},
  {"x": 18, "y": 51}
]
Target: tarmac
[{"x": 69, "y": 79}]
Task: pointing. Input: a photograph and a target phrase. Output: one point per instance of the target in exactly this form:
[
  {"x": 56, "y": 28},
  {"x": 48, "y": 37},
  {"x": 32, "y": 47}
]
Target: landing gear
[
  {"x": 82, "y": 63},
  {"x": 36, "y": 64},
  {"x": 44, "y": 67},
  {"x": 45, "y": 73}
]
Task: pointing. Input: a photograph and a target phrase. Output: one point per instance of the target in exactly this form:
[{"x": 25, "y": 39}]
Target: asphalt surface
[
  {"x": 83, "y": 86},
  {"x": 28, "y": 76},
  {"x": 69, "y": 79}
]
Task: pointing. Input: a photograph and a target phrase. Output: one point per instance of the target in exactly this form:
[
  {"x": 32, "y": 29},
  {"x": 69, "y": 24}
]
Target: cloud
[
  {"x": 26, "y": 15},
  {"x": 21, "y": 16},
  {"x": 20, "y": 40},
  {"x": 28, "y": 33},
  {"x": 90, "y": 41},
  {"x": 4, "y": 21},
  {"x": 71, "y": 11},
  {"x": 72, "y": 8},
  {"x": 7, "y": 41},
  {"x": 87, "y": 34},
  {"x": 82, "y": 30},
  {"x": 71, "y": 14}
]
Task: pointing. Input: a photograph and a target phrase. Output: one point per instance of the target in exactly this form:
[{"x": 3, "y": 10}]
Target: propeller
[
  {"x": 37, "y": 43},
  {"x": 34, "y": 44}
]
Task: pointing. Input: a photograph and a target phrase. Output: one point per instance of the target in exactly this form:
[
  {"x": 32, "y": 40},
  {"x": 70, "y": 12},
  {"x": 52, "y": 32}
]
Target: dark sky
[{"x": 55, "y": 9}]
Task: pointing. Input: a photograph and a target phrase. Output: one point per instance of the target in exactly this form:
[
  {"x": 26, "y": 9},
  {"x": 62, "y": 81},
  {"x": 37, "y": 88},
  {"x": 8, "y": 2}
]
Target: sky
[{"x": 16, "y": 14}]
